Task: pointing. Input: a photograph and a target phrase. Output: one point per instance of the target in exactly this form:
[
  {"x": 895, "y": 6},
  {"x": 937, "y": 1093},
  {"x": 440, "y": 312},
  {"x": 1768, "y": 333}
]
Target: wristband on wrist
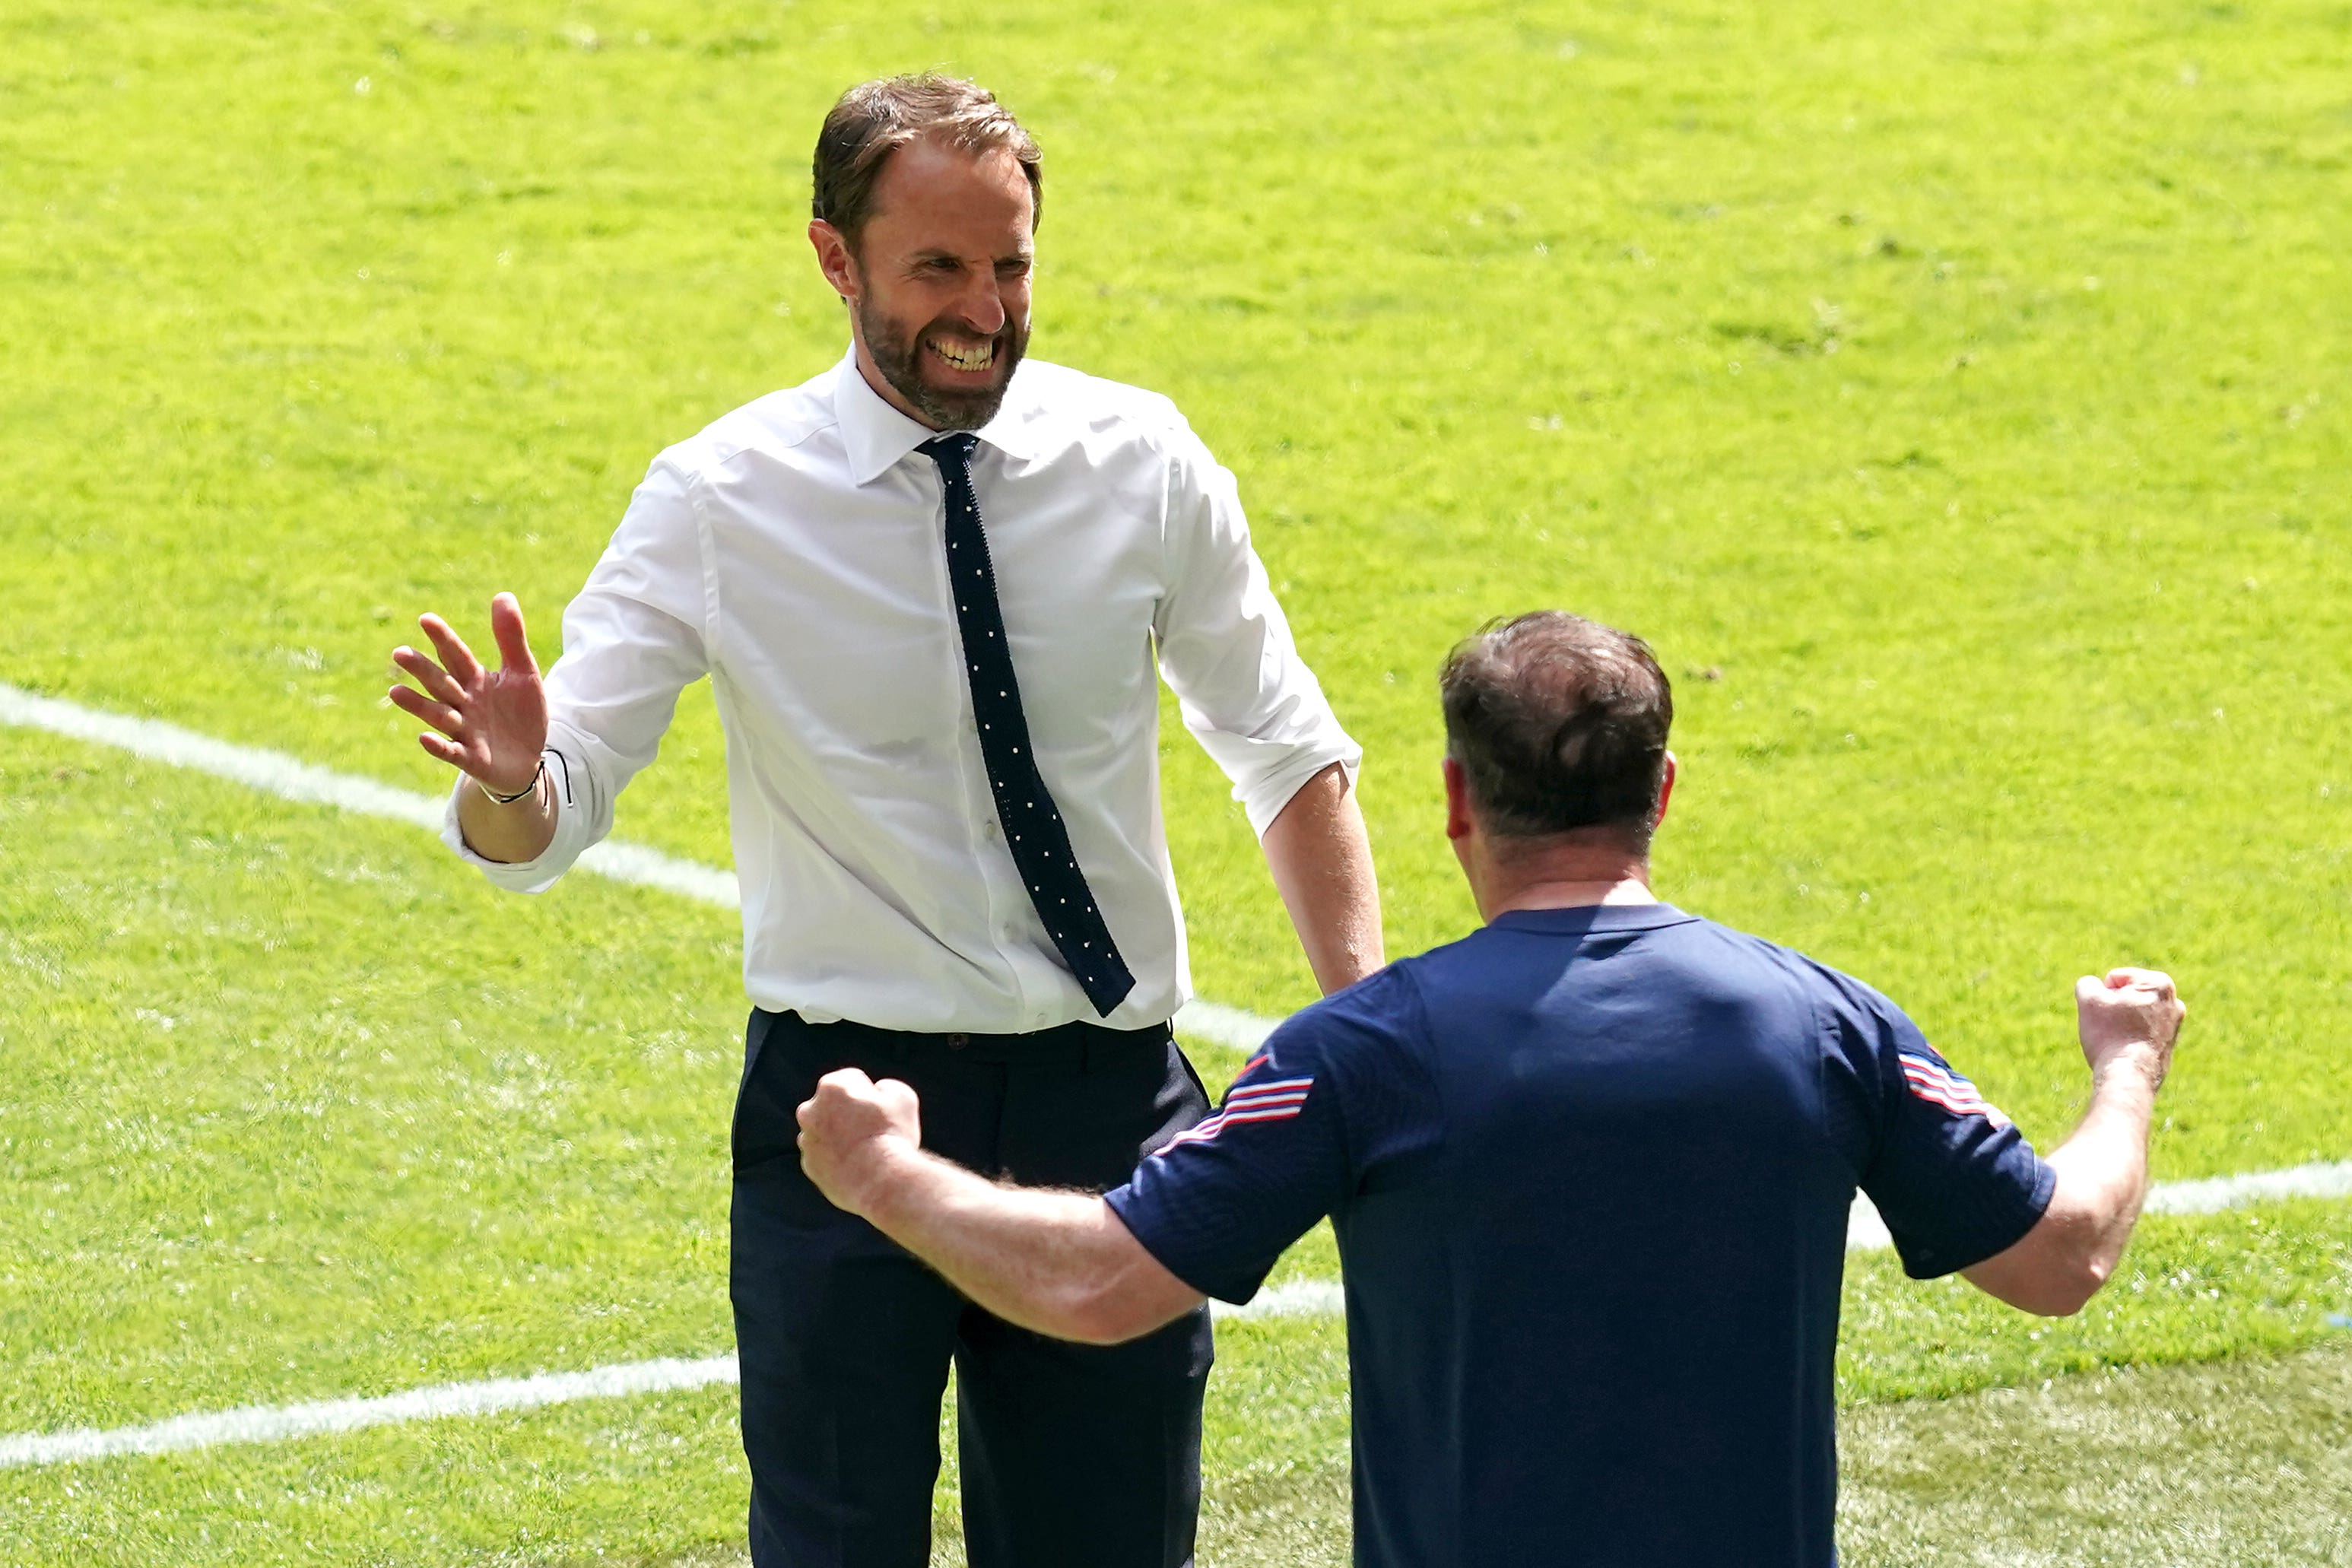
[{"x": 509, "y": 799}]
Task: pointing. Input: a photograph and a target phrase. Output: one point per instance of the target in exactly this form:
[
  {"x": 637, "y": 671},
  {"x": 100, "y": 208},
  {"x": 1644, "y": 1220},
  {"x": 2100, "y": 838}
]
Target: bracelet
[{"x": 526, "y": 789}]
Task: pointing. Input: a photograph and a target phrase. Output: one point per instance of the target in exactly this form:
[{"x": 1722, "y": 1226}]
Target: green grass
[
  {"x": 2237, "y": 1464},
  {"x": 1955, "y": 405}
]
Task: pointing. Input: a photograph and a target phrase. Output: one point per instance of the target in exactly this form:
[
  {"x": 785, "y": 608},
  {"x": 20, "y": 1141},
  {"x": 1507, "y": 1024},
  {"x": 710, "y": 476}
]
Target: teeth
[{"x": 979, "y": 357}]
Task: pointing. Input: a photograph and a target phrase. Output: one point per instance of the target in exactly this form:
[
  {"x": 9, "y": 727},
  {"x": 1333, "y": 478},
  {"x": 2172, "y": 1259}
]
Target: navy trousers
[{"x": 1072, "y": 1455}]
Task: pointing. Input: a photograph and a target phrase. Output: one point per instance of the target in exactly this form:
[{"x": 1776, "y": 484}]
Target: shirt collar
[
  {"x": 878, "y": 438},
  {"x": 1577, "y": 919}
]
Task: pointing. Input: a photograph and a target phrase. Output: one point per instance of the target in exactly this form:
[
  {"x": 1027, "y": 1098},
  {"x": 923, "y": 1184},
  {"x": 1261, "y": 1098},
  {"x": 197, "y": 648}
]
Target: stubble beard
[{"x": 899, "y": 357}]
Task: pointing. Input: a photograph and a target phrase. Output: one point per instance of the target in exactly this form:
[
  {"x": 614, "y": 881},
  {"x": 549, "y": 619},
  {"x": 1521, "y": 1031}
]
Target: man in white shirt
[{"x": 935, "y": 658}]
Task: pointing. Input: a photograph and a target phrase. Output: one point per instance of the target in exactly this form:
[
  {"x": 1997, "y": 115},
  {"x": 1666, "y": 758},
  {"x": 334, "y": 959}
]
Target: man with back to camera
[
  {"x": 931, "y": 594},
  {"x": 1589, "y": 1168}
]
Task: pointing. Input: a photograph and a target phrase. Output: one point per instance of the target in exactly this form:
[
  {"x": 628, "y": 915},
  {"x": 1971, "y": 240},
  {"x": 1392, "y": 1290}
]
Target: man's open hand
[
  {"x": 492, "y": 723},
  {"x": 2132, "y": 1015},
  {"x": 853, "y": 1132}
]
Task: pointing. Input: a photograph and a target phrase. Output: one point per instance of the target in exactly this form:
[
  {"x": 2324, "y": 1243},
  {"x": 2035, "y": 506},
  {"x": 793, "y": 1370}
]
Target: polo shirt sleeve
[
  {"x": 1950, "y": 1174},
  {"x": 1218, "y": 1203}
]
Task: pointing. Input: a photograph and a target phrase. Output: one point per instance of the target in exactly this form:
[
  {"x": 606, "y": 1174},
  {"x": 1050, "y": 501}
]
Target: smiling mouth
[{"x": 963, "y": 356}]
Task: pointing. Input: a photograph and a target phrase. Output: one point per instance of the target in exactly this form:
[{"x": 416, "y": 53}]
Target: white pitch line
[
  {"x": 1295, "y": 1299},
  {"x": 276, "y": 1423},
  {"x": 1866, "y": 1232},
  {"x": 281, "y": 1423},
  {"x": 1220, "y": 1025},
  {"x": 291, "y": 778},
  {"x": 288, "y": 778},
  {"x": 2216, "y": 1193}
]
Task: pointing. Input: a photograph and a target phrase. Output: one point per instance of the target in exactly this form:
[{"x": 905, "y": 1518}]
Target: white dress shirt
[{"x": 793, "y": 553}]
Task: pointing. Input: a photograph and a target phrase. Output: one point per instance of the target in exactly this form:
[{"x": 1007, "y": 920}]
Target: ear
[
  {"x": 1666, "y": 792},
  {"x": 836, "y": 259},
  {"x": 1458, "y": 825}
]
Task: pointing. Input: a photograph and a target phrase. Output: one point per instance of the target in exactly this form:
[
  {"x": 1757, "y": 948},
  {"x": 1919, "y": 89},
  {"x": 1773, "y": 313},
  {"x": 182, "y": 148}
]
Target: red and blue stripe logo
[
  {"x": 1939, "y": 1085},
  {"x": 1276, "y": 1100}
]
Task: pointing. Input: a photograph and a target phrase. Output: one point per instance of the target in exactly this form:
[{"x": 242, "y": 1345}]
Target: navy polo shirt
[{"x": 1589, "y": 1170}]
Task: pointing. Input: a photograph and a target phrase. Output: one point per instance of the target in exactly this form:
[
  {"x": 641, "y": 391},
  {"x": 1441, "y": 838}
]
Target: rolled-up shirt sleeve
[
  {"x": 1226, "y": 651},
  {"x": 637, "y": 635}
]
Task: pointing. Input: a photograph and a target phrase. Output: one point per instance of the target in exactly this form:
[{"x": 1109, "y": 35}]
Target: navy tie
[{"x": 1025, "y": 808}]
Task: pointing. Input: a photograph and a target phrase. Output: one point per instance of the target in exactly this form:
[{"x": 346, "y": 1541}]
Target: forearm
[
  {"x": 1321, "y": 861},
  {"x": 509, "y": 834},
  {"x": 1056, "y": 1263},
  {"x": 2102, "y": 1180},
  {"x": 2102, "y": 1169},
  {"x": 2131, "y": 1021}
]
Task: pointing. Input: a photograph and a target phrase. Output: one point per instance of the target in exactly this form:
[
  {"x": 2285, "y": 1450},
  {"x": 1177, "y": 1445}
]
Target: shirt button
[
  {"x": 989, "y": 829},
  {"x": 958, "y": 1042}
]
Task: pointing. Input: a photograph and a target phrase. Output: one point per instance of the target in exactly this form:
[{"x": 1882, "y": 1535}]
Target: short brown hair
[
  {"x": 875, "y": 119},
  {"x": 1558, "y": 723}
]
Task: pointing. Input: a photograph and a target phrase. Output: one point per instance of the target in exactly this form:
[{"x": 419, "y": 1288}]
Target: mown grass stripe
[{"x": 291, "y": 778}]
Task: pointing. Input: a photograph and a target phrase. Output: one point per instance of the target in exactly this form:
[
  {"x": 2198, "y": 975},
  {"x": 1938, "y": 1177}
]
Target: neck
[
  {"x": 1559, "y": 881},
  {"x": 1554, "y": 895}
]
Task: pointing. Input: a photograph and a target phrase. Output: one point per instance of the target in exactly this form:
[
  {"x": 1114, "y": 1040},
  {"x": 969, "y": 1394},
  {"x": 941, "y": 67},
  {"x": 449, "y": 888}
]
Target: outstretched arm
[
  {"x": 1057, "y": 1263},
  {"x": 1322, "y": 866},
  {"x": 2129, "y": 1022}
]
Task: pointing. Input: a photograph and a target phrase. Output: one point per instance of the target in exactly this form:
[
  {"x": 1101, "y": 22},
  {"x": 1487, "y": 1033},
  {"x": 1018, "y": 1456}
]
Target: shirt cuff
[{"x": 532, "y": 875}]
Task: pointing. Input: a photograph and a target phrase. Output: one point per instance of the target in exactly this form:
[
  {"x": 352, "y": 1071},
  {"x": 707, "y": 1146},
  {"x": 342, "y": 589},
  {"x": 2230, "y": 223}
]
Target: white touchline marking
[
  {"x": 291, "y": 778},
  {"x": 276, "y": 1423},
  {"x": 1293, "y": 1298},
  {"x": 1222, "y": 1025},
  {"x": 2213, "y": 1194},
  {"x": 1866, "y": 1232}
]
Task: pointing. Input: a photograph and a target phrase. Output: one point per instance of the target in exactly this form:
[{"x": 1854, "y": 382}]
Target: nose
[{"x": 980, "y": 305}]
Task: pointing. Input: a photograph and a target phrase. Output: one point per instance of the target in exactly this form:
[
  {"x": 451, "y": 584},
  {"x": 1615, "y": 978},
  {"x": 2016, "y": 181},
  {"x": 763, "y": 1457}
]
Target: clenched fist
[
  {"x": 2133, "y": 1015},
  {"x": 853, "y": 1132}
]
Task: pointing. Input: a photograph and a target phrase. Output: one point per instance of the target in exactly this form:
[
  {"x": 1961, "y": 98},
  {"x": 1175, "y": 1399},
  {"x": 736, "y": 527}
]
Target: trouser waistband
[{"x": 1078, "y": 1044}]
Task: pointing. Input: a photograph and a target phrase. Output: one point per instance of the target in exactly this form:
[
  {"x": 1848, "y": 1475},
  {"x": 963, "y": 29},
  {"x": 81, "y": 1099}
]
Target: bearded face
[
  {"x": 936, "y": 274},
  {"x": 953, "y": 377}
]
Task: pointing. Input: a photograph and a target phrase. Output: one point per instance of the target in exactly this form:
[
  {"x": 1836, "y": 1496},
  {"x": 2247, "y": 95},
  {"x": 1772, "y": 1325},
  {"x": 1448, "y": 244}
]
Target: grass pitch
[{"x": 1953, "y": 404}]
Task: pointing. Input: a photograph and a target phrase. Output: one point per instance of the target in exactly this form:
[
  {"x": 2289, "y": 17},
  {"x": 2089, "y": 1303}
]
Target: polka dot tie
[{"x": 1025, "y": 808}]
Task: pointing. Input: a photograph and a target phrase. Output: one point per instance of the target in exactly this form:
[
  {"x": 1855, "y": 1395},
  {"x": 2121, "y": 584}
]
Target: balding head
[{"x": 1560, "y": 727}]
